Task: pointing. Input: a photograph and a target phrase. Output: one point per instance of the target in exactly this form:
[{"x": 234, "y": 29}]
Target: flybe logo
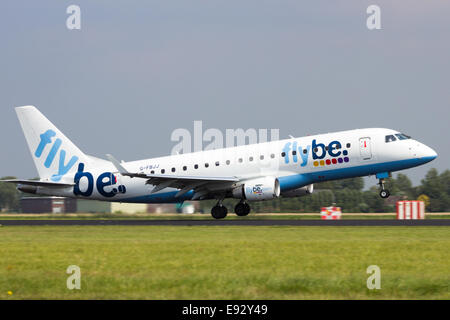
[
  {"x": 321, "y": 154},
  {"x": 106, "y": 181},
  {"x": 63, "y": 167},
  {"x": 257, "y": 189}
]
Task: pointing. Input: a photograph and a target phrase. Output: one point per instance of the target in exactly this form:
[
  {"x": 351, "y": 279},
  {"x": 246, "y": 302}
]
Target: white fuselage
[{"x": 316, "y": 158}]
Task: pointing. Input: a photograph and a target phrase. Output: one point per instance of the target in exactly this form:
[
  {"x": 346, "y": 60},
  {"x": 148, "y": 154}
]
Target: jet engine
[{"x": 265, "y": 188}]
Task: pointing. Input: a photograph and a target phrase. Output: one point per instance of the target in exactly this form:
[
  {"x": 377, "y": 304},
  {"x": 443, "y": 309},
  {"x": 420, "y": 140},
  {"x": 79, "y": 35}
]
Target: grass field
[{"x": 224, "y": 262}]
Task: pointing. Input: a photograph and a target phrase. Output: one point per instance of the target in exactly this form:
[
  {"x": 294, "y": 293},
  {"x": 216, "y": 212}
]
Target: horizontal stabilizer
[{"x": 38, "y": 183}]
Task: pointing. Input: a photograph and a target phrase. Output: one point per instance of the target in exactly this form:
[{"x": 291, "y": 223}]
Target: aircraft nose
[
  {"x": 426, "y": 153},
  {"x": 422, "y": 152},
  {"x": 430, "y": 153}
]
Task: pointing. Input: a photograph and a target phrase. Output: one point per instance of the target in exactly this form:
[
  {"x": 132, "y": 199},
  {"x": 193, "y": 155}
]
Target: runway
[{"x": 247, "y": 222}]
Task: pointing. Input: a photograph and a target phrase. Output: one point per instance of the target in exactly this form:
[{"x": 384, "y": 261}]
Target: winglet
[{"x": 117, "y": 164}]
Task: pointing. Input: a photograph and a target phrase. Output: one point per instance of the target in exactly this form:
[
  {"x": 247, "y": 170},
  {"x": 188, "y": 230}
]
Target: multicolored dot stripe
[{"x": 332, "y": 161}]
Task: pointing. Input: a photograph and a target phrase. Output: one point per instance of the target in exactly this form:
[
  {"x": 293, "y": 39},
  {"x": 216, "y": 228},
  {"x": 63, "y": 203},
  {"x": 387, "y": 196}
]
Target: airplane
[{"x": 255, "y": 172}]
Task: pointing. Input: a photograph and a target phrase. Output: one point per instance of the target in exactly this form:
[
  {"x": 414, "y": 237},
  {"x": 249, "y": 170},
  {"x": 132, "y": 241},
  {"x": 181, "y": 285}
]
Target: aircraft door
[{"x": 365, "y": 148}]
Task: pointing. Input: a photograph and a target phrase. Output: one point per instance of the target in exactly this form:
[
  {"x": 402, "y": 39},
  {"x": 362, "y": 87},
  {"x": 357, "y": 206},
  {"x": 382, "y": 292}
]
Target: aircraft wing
[
  {"x": 38, "y": 183},
  {"x": 201, "y": 185}
]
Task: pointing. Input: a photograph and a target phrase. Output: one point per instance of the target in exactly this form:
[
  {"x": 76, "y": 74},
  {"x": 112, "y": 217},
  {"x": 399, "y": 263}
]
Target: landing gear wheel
[
  {"x": 219, "y": 212},
  {"x": 384, "y": 194},
  {"x": 242, "y": 209}
]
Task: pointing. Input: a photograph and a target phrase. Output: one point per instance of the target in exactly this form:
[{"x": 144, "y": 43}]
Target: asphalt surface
[{"x": 225, "y": 222}]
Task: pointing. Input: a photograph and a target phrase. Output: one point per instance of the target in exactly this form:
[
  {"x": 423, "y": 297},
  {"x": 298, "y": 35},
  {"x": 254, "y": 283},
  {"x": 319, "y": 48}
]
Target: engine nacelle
[
  {"x": 265, "y": 188},
  {"x": 299, "y": 192}
]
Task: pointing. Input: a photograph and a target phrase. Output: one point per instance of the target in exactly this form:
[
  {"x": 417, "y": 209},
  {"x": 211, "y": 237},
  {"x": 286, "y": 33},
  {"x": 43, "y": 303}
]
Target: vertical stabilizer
[{"x": 53, "y": 153}]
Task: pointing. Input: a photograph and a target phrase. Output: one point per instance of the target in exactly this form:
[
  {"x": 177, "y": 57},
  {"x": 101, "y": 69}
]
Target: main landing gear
[
  {"x": 242, "y": 209},
  {"x": 384, "y": 193},
  {"x": 219, "y": 211}
]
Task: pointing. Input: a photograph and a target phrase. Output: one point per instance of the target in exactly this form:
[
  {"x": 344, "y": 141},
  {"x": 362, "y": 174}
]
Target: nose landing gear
[{"x": 384, "y": 193}]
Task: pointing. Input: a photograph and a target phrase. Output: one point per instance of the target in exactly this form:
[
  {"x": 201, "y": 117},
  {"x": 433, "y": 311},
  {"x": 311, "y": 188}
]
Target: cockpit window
[
  {"x": 402, "y": 136},
  {"x": 390, "y": 138},
  {"x": 399, "y": 136}
]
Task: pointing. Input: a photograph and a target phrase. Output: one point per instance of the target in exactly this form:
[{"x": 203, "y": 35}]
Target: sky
[{"x": 136, "y": 71}]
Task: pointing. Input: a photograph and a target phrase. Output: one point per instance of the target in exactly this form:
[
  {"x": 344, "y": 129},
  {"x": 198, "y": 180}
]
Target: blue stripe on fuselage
[{"x": 300, "y": 180}]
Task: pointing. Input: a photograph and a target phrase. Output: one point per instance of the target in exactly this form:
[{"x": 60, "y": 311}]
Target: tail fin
[{"x": 53, "y": 153}]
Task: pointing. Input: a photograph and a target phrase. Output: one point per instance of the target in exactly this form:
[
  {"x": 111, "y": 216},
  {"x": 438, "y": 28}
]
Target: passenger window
[
  {"x": 206, "y": 165},
  {"x": 250, "y": 159},
  {"x": 261, "y": 157},
  {"x": 217, "y": 163},
  {"x": 228, "y": 162},
  {"x": 163, "y": 170},
  {"x": 272, "y": 155},
  {"x": 305, "y": 151},
  {"x": 283, "y": 154},
  {"x": 294, "y": 152},
  {"x": 348, "y": 145},
  {"x": 184, "y": 168},
  {"x": 240, "y": 160},
  {"x": 173, "y": 169},
  {"x": 196, "y": 166},
  {"x": 152, "y": 172}
]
